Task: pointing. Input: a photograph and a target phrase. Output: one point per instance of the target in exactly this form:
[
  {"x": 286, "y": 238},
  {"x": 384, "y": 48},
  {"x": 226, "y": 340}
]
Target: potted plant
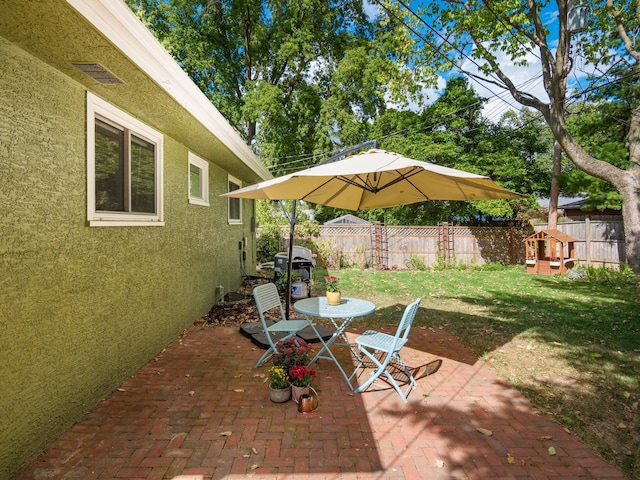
[
  {"x": 554, "y": 261},
  {"x": 301, "y": 379},
  {"x": 333, "y": 289},
  {"x": 292, "y": 351},
  {"x": 279, "y": 385}
]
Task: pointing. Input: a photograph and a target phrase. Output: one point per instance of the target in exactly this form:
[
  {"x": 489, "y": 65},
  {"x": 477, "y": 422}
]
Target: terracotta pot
[
  {"x": 333, "y": 298},
  {"x": 297, "y": 392},
  {"x": 280, "y": 395}
]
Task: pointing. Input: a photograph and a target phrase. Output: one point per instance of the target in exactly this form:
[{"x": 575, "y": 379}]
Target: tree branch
[{"x": 628, "y": 43}]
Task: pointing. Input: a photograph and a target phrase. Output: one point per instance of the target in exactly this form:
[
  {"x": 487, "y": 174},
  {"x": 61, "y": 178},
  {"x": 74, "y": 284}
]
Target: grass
[{"x": 571, "y": 347}]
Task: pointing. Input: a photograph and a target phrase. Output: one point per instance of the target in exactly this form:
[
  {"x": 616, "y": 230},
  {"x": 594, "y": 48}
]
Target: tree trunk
[
  {"x": 631, "y": 220},
  {"x": 555, "y": 186},
  {"x": 626, "y": 182}
]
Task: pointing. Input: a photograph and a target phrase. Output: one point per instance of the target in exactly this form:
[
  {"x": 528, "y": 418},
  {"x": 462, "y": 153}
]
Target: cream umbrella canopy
[
  {"x": 372, "y": 179},
  {"x": 375, "y": 179}
]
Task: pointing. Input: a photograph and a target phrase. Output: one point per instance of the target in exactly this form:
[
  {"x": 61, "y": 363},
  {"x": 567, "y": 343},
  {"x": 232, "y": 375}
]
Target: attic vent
[{"x": 98, "y": 73}]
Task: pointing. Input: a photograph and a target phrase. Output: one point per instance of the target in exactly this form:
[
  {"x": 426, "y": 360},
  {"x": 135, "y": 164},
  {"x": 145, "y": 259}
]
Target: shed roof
[{"x": 347, "y": 220}]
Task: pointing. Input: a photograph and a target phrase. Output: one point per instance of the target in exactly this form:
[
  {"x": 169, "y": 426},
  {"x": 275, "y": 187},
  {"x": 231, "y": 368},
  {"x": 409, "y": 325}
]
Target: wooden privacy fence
[
  {"x": 599, "y": 243},
  {"x": 403, "y": 246}
]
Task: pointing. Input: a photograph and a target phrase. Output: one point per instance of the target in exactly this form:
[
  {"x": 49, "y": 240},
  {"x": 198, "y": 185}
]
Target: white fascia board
[{"x": 115, "y": 20}]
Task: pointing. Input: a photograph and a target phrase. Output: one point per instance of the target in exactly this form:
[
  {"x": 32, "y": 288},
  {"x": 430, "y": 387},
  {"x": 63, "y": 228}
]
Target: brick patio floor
[{"x": 200, "y": 411}]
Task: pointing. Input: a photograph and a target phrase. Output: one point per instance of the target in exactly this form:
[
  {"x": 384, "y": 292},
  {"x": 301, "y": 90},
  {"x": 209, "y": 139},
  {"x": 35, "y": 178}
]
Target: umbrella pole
[{"x": 287, "y": 295}]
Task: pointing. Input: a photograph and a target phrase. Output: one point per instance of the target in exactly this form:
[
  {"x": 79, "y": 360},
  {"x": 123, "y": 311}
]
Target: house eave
[
  {"x": 120, "y": 26},
  {"x": 152, "y": 87}
]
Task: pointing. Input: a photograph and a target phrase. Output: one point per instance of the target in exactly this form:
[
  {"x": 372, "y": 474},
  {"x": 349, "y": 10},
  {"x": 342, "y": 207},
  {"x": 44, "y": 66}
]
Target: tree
[
  {"x": 293, "y": 77},
  {"x": 480, "y": 29},
  {"x": 452, "y": 132}
]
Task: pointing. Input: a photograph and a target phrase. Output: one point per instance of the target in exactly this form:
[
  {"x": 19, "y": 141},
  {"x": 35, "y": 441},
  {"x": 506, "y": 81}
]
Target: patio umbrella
[
  {"x": 372, "y": 179},
  {"x": 375, "y": 179}
]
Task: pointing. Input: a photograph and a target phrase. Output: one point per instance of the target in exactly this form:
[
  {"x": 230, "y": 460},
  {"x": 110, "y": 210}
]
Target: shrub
[
  {"x": 611, "y": 276},
  {"x": 577, "y": 273},
  {"x": 329, "y": 253},
  {"x": 415, "y": 262},
  {"x": 268, "y": 243}
]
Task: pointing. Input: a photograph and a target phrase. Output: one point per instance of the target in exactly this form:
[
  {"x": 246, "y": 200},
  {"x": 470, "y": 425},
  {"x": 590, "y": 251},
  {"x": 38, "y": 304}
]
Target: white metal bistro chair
[
  {"x": 267, "y": 298},
  {"x": 382, "y": 352}
]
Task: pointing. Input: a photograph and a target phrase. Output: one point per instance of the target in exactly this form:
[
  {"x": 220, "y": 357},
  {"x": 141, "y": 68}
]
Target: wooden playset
[{"x": 549, "y": 252}]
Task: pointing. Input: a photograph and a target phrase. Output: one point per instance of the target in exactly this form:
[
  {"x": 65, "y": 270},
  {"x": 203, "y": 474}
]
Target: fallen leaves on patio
[
  {"x": 239, "y": 307},
  {"x": 484, "y": 431}
]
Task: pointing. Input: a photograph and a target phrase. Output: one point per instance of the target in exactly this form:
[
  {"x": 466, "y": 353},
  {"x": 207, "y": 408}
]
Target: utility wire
[{"x": 436, "y": 51}]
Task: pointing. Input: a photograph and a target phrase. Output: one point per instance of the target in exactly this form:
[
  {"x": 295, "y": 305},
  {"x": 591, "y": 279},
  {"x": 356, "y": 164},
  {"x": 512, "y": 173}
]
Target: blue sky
[{"x": 529, "y": 78}]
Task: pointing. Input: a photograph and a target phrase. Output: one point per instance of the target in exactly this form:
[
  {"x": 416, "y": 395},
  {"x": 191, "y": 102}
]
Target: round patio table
[{"x": 347, "y": 310}]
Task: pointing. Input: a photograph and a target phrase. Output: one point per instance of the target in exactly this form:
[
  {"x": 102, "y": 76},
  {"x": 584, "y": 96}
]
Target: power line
[{"x": 445, "y": 40}]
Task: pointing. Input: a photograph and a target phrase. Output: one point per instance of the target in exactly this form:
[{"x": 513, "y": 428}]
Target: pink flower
[{"x": 292, "y": 352}]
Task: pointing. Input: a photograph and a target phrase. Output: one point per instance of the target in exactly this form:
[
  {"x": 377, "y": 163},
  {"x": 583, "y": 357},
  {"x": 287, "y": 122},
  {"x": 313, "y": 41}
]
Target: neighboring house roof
[
  {"x": 574, "y": 204},
  {"x": 347, "y": 219},
  {"x": 544, "y": 202},
  {"x": 575, "y": 208},
  {"x": 153, "y": 86}
]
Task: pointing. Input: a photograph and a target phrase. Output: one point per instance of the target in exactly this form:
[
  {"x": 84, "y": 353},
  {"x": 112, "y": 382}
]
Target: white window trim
[
  {"x": 234, "y": 221},
  {"x": 203, "y": 165},
  {"x": 97, "y": 106}
]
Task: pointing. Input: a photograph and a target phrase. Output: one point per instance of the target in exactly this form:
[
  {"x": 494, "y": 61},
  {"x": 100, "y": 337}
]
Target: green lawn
[{"x": 571, "y": 347}]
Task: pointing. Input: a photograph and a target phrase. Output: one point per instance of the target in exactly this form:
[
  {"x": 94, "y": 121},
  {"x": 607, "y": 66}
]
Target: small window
[
  {"x": 198, "y": 180},
  {"x": 235, "y": 204},
  {"x": 124, "y": 168}
]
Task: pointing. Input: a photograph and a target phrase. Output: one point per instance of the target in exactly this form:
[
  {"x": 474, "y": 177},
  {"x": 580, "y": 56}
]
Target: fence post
[{"x": 587, "y": 239}]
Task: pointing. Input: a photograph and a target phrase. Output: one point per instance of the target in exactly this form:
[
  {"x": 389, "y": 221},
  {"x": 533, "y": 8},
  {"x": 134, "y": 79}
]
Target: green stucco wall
[{"x": 82, "y": 308}]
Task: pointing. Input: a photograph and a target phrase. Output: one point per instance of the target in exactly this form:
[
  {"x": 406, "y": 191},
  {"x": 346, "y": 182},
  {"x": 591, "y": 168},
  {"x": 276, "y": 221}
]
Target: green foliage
[
  {"x": 305, "y": 232},
  {"x": 598, "y": 127},
  {"x": 281, "y": 281},
  {"x": 268, "y": 243},
  {"x": 328, "y": 254},
  {"x": 610, "y": 276},
  {"x": 345, "y": 261},
  {"x": 489, "y": 267},
  {"x": 311, "y": 74},
  {"x": 415, "y": 262},
  {"x": 576, "y": 273},
  {"x": 274, "y": 225}
]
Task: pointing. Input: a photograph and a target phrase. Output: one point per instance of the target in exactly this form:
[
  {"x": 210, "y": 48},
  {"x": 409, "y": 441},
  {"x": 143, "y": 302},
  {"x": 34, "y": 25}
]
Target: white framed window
[
  {"x": 124, "y": 168},
  {"x": 234, "y": 204},
  {"x": 198, "y": 180}
]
